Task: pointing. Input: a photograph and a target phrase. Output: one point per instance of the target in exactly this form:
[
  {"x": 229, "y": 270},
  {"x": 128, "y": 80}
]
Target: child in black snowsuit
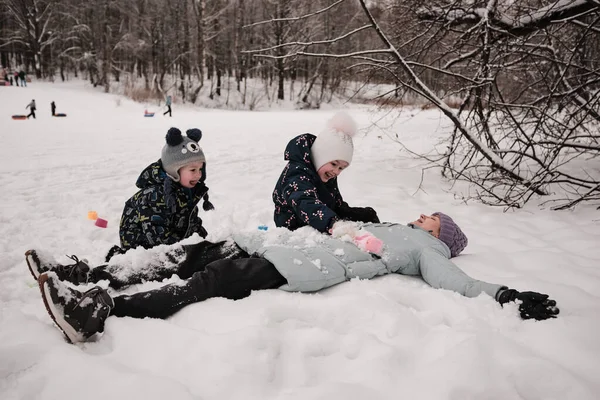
[
  {"x": 307, "y": 192},
  {"x": 164, "y": 210},
  {"x": 32, "y": 109},
  {"x": 53, "y": 108}
]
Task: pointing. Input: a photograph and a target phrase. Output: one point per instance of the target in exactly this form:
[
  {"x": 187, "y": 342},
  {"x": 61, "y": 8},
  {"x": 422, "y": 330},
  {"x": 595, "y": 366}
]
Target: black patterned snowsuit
[{"x": 162, "y": 212}]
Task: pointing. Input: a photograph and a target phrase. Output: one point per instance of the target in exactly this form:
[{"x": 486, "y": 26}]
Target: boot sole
[
  {"x": 71, "y": 334},
  {"x": 32, "y": 264}
]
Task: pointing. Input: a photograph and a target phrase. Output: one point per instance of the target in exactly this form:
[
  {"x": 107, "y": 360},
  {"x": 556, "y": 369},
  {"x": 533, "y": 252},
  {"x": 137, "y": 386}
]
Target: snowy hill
[{"x": 388, "y": 338}]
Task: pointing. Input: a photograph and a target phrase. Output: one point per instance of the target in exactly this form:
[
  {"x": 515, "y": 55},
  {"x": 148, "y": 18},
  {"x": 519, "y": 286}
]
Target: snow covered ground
[{"x": 389, "y": 338}]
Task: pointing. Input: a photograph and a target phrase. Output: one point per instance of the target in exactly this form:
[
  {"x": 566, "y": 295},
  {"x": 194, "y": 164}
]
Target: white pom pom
[{"x": 342, "y": 122}]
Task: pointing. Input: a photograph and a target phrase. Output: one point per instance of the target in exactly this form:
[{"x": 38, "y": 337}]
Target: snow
[{"x": 387, "y": 338}]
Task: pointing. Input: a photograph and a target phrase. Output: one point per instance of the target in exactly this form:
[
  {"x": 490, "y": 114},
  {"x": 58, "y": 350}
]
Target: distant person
[
  {"x": 53, "y": 108},
  {"x": 16, "y": 75},
  {"x": 307, "y": 191},
  {"x": 32, "y": 109},
  {"x": 168, "y": 104},
  {"x": 23, "y": 78}
]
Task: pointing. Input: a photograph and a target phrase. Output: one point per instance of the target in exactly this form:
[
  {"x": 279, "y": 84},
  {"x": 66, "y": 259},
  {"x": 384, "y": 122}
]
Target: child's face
[
  {"x": 430, "y": 223},
  {"x": 332, "y": 169},
  {"x": 190, "y": 174}
]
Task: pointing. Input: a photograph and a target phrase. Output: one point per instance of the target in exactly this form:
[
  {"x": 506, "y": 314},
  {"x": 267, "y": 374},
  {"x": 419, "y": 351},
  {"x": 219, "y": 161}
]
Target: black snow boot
[
  {"x": 76, "y": 273},
  {"x": 79, "y": 315}
]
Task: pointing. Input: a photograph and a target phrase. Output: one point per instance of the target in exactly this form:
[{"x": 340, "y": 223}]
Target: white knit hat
[{"x": 335, "y": 141}]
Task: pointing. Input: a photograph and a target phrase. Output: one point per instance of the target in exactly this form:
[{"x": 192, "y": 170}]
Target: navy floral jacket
[
  {"x": 300, "y": 197},
  {"x": 162, "y": 211}
]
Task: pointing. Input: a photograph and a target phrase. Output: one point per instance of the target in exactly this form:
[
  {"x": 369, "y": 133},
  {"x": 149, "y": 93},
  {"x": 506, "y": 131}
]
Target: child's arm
[
  {"x": 197, "y": 227},
  {"x": 303, "y": 198},
  {"x": 357, "y": 214}
]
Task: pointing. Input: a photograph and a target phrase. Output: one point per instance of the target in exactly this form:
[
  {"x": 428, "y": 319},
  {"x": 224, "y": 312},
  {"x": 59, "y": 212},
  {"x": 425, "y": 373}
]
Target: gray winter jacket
[{"x": 311, "y": 261}]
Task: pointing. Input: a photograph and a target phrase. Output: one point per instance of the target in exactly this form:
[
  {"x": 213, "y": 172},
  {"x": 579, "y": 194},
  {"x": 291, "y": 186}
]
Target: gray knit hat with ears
[
  {"x": 181, "y": 150},
  {"x": 451, "y": 234}
]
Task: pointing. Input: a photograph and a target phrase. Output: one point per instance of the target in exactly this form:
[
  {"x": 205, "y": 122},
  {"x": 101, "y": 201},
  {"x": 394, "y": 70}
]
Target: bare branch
[{"x": 296, "y": 18}]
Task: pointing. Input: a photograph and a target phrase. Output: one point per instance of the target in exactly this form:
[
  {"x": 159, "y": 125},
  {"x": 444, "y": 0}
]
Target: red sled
[
  {"x": 19, "y": 117},
  {"x": 60, "y": 115}
]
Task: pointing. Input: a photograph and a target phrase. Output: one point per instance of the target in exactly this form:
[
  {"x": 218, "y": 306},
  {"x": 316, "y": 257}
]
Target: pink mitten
[{"x": 369, "y": 243}]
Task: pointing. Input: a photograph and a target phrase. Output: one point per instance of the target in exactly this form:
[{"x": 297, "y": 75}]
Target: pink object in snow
[
  {"x": 369, "y": 243},
  {"x": 101, "y": 223}
]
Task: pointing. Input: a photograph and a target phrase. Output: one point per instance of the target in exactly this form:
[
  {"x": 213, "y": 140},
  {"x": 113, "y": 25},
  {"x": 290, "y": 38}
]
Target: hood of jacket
[{"x": 298, "y": 151}]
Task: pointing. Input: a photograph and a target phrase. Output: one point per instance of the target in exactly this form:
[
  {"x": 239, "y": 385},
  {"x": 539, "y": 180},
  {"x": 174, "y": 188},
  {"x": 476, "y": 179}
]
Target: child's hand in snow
[
  {"x": 343, "y": 228},
  {"x": 352, "y": 232},
  {"x": 370, "y": 243}
]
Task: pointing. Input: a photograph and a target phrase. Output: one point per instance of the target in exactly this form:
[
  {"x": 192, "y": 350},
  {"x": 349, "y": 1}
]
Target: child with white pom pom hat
[{"x": 307, "y": 192}]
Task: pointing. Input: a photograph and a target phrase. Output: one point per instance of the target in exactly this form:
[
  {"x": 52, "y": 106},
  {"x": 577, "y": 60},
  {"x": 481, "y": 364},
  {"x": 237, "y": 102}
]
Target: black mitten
[
  {"x": 532, "y": 304},
  {"x": 113, "y": 251},
  {"x": 357, "y": 214},
  {"x": 370, "y": 215},
  {"x": 202, "y": 232}
]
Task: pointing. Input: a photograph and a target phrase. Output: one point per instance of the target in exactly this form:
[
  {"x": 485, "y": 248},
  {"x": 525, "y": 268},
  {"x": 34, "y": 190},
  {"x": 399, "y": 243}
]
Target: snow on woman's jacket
[
  {"x": 300, "y": 197},
  {"x": 162, "y": 211},
  {"x": 311, "y": 261}
]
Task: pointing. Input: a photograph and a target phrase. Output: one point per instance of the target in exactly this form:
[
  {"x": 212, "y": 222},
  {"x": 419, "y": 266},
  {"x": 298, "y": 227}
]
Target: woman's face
[
  {"x": 332, "y": 169},
  {"x": 429, "y": 223}
]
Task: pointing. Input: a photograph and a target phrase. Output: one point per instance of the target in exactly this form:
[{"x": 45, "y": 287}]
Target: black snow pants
[{"x": 209, "y": 269}]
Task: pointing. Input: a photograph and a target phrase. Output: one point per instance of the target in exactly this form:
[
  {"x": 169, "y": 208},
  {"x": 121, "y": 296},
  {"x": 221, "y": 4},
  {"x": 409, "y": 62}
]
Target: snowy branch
[
  {"x": 296, "y": 18},
  {"x": 496, "y": 161},
  {"x": 561, "y": 10},
  {"x": 307, "y": 44}
]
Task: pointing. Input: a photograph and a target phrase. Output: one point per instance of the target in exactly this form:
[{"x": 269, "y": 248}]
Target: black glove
[
  {"x": 113, "y": 251},
  {"x": 533, "y": 305},
  {"x": 357, "y": 214}
]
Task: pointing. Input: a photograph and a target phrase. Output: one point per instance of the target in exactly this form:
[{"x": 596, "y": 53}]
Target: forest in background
[{"x": 520, "y": 81}]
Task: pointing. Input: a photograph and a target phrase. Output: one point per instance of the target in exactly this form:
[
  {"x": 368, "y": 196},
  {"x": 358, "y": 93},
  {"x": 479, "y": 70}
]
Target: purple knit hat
[{"x": 451, "y": 234}]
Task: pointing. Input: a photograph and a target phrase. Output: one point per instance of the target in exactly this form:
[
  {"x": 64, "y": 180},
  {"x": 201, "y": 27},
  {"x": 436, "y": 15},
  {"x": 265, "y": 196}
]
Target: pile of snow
[{"x": 388, "y": 338}]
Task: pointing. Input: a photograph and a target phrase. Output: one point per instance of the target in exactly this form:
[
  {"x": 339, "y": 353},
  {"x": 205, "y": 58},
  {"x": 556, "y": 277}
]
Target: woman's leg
[
  {"x": 152, "y": 264},
  {"x": 230, "y": 278},
  {"x": 183, "y": 261}
]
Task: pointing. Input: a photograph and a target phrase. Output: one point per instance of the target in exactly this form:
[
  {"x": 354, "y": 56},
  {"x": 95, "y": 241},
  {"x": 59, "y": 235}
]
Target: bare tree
[
  {"x": 33, "y": 23},
  {"x": 528, "y": 120}
]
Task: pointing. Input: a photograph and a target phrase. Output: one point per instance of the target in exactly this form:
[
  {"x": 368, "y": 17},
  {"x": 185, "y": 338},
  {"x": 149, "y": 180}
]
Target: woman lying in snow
[{"x": 303, "y": 260}]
